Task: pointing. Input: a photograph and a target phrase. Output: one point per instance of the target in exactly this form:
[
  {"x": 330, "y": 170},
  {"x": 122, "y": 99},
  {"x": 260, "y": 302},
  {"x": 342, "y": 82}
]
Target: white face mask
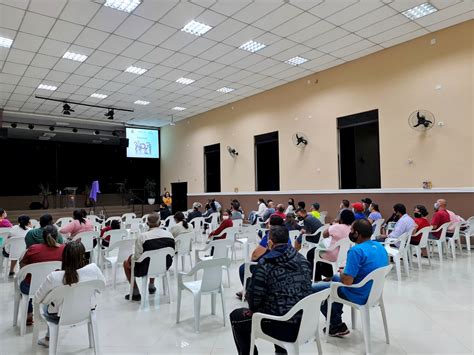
[{"x": 225, "y": 217}]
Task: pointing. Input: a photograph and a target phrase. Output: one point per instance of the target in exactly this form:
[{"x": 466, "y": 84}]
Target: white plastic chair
[
  {"x": 115, "y": 236},
  {"x": 468, "y": 233},
  {"x": 17, "y": 248},
  {"x": 221, "y": 249},
  {"x": 247, "y": 274},
  {"x": 197, "y": 223},
  {"x": 127, "y": 218},
  {"x": 214, "y": 223},
  {"x": 110, "y": 219},
  {"x": 170, "y": 220},
  {"x": 4, "y": 234},
  {"x": 323, "y": 215},
  {"x": 211, "y": 283},
  {"x": 39, "y": 272},
  {"x": 87, "y": 239},
  {"x": 93, "y": 218},
  {"x": 398, "y": 253},
  {"x": 76, "y": 310},
  {"x": 34, "y": 223},
  {"x": 183, "y": 247},
  {"x": 307, "y": 244},
  {"x": 247, "y": 238},
  {"x": 375, "y": 299},
  {"x": 377, "y": 225},
  {"x": 145, "y": 218},
  {"x": 309, "y": 326},
  {"x": 425, "y": 232},
  {"x": 456, "y": 238},
  {"x": 156, "y": 268},
  {"x": 343, "y": 246},
  {"x": 61, "y": 222},
  {"x": 125, "y": 249},
  {"x": 441, "y": 241},
  {"x": 237, "y": 223},
  {"x": 135, "y": 227}
]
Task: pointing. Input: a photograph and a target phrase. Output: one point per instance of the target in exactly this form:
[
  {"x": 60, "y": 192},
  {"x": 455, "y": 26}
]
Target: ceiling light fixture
[
  {"x": 252, "y": 46},
  {"x": 225, "y": 90},
  {"x": 67, "y": 109},
  {"x": 296, "y": 61},
  {"x": 98, "y": 96},
  {"x": 135, "y": 70},
  {"x": 123, "y": 5},
  {"x": 196, "y": 28},
  {"x": 5, "y": 42},
  {"x": 172, "y": 123},
  {"x": 75, "y": 130},
  {"x": 185, "y": 81},
  {"x": 14, "y": 125},
  {"x": 31, "y": 126},
  {"x": 110, "y": 114},
  {"x": 96, "y": 132},
  {"x": 115, "y": 133},
  {"x": 75, "y": 56},
  {"x": 51, "y": 128},
  {"x": 47, "y": 87},
  {"x": 419, "y": 11},
  {"x": 179, "y": 108},
  {"x": 141, "y": 102}
]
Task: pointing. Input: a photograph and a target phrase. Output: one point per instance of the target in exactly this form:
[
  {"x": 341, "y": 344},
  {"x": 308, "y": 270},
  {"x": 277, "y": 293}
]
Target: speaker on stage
[{"x": 123, "y": 143}]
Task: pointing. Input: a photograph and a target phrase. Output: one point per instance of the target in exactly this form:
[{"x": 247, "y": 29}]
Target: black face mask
[
  {"x": 353, "y": 237},
  {"x": 417, "y": 215},
  {"x": 396, "y": 217},
  {"x": 300, "y": 218}
]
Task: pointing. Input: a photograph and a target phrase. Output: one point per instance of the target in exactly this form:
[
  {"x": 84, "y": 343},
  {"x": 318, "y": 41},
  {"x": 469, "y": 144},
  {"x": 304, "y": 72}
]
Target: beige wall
[{"x": 397, "y": 81}]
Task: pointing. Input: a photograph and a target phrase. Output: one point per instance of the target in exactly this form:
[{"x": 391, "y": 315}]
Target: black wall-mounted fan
[
  {"x": 233, "y": 153},
  {"x": 421, "y": 120},
  {"x": 300, "y": 139}
]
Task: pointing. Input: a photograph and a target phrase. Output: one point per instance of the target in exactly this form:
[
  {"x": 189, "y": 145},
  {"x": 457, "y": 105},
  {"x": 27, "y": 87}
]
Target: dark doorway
[
  {"x": 267, "y": 162},
  {"x": 212, "y": 168},
  {"x": 179, "y": 191},
  {"x": 359, "y": 155}
]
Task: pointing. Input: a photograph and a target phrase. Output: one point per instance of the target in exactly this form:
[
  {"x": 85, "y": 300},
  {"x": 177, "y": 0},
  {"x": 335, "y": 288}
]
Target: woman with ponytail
[
  {"x": 74, "y": 269},
  {"x": 49, "y": 250},
  {"x": 182, "y": 226},
  {"x": 78, "y": 225}
]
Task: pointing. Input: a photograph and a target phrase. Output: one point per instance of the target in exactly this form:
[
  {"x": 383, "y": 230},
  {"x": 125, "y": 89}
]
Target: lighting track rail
[{"x": 67, "y": 101}]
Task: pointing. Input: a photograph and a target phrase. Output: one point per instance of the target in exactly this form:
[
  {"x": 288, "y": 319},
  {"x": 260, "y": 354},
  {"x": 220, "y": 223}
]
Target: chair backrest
[
  {"x": 318, "y": 234},
  {"x": 184, "y": 243},
  {"x": 75, "y": 299},
  {"x": 170, "y": 220},
  {"x": 39, "y": 272},
  {"x": 425, "y": 233},
  {"x": 344, "y": 245},
  {"x": 158, "y": 258},
  {"x": 322, "y": 217},
  {"x": 17, "y": 247},
  {"x": 116, "y": 218},
  {"x": 250, "y": 234},
  {"x": 87, "y": 239},
  {"x": 61, "y": 222},
  {"x": 377, "y": 225},
  {"x": 221, "y": 248},
  {"x": 197, "y": 222},
  {"x": 5, "y": 233},
  {"x": 214, "y": 220},
  {"x": 145, "y": 218},
  {"x": 127, "y": 217},
  {"x": 212, "y": 273},
  {"x": 92, "y": 217},
  {"x": 125, "y": 248},
  {"x": 34, "y": 223},
  {"x": 115, "y": 235},
  {"x": 444, "y": 229},
  {"x": 403, "y": 240},
  {"x": 457, "y": 230},
  {"x": 237, "y": 223},
  {"x": 294, "y": 234},
  {"x": 378, "y": 280},
  {"x": 136, "y": 225}
]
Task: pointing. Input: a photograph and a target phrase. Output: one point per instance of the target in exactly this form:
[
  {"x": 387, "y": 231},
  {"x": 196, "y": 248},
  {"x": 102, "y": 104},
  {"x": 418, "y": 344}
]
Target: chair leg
[
  {"x": 95, "y": 333},
  {"x": 178, "y": 304},
  {"x": 440, "y": 251},
  {"x": 409, "y": 252},
  {"x": 384, "y": 318},
  {"x": 16, "y": 305},
  {"x": 252, "y": 344},
  {"x": 460, "y": 246},
  {"x": 167, "y": 277},
  {"x": 114, "y": 271},
  {"x": 398, "y": 266},
  {"x": 90, "y": 333},
  {"x": 182, "y": 262},
  {"x": 175, "y": 261},
  {"x": 318, "y": 342},
  {"x": 406, "y": 265},
  {"x": 197, "y": 311},
  {"x": 53, "y": 338},
  {"x": 353, "y": 318},
  {"x": 365, "y": 315},
  {"x": 23, "y": 313},
  {"x": 224, "y": 313},
  {"x": 144, "y": 291},
  {"x": 213, "y": 303},
  {"x": 328, "y": 318},
  {"x": 418, "y": 256}
]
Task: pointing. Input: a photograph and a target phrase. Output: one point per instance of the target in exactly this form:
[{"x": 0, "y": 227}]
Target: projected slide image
[{"x": 142, "y": 143}]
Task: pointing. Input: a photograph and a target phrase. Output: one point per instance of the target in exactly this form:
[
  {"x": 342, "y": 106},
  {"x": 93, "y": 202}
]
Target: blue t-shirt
[
  {"x": 375, "y": 216},
  {"x": 359, "y": 215},
  {"x": 264, "y": 241},
  {"x": 362, "y": 259}
]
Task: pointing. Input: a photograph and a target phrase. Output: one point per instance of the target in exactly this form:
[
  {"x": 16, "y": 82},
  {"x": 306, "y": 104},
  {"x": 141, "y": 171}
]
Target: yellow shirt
[
  {"x": 316, "y": 214},
  {"x": 167, "y": 201}
]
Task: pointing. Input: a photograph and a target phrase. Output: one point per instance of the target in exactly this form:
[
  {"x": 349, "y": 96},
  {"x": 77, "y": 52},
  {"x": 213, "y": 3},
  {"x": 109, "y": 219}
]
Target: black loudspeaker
[
  {"x": 3, "y": 133},
  {"x": 36, "y": 206},
  {"x": 123, "y": 143}
]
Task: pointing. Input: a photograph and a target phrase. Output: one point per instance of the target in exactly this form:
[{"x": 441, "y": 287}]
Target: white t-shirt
[{"x": 16, "y": 231}]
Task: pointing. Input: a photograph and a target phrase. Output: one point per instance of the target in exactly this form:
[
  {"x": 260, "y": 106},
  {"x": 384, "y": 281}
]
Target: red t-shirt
[
  {"x": 280, "y": 214},
  {"x": 38, "y": 253},
  {"x": 439, "y": 218},
  {"x": 226, "y": 223},
  {"x": 105, "y": 230},
  {"x": 421, "y": 223}
]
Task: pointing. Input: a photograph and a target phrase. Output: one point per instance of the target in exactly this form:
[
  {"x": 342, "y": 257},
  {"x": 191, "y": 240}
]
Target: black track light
[
  {"x": 14, "y": 125},
  {"x": 110, "y": 114},
  {"x": 67, "y": 109},
  {"x": 74, "y": 130},
  {"x": 31, "y": 126},
  {"x": 51, "y": 128},
  {"x": 115, "y": 133},
  {"x": 96, "y": 132}
]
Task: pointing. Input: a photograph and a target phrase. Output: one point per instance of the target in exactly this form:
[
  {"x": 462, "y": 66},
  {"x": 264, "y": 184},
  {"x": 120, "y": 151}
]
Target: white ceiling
[{"x": 328, "y": 33}]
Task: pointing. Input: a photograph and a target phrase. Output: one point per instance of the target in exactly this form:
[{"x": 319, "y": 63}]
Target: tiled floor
[{"x": 429, "y": 312}]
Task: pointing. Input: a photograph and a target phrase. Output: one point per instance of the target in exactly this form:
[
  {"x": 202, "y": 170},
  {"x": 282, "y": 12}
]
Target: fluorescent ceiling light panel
[
  {"x": 420, "y": 11},
  {"x": 141, "y": 102},
  {"x": 98, "y": 96},
  {"x": 135, "y": 70},
  {"x": 178, "y": 108},
  {"x": 123, "y": 5},
  {"x": 185, "y": 81},
  {"x": 225, "y": 90},
  {"x": 47, "y": 87},
  {"x": 252, "y": 46},
  {"x": 75, "y": 56},
  {"x": 5, "y": 42},
  {"x": 296, "y": 61},
  {"x": 196, "y": 28}
]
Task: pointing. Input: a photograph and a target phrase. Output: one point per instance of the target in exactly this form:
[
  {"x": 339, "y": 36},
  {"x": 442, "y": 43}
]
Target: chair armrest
[{"x": 389, "y": 241}]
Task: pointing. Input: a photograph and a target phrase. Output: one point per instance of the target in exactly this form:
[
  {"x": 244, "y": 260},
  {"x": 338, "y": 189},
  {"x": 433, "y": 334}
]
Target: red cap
[{"x": 358, "y": 206}]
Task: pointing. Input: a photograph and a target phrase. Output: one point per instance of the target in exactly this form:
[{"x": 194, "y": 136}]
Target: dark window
[
  {"x": 212, "y": 168},
  {"x": 267, "y": 162},
  {"x": 359, "y": 155}
]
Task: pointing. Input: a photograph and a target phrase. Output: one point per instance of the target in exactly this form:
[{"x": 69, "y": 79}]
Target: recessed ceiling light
[
  {"x": 178, "y": 108},
  {"x": 420, "y": 11},
  {"x": 225, "y": 90},
  {"x": 75, "y": 56},
  {"x": 296, "y": 61},
  {"x": 141, "y": 102},
  {"x": 196, "y": 28},
  {"x": 123, "y": 5},
  {"x": 47, "y": 87},
  {"x": 252, "y": 46},
  {"x": 5, "y": 42},
  {"x": 185, "y": 81},
  {"x": 98, "y": 96},
  {"x": 135, "y": 70},
  {"x": 96, "y": 141}
]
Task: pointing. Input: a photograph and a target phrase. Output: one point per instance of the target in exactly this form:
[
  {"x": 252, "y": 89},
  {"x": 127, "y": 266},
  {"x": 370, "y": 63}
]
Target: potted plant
[
  {"x": 45, "y": 192},
  {"x": 150, "y": 190}
]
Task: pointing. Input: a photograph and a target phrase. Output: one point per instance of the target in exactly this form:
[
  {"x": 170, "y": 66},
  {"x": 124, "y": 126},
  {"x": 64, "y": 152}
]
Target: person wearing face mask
[
  {"x": 420, "y": 212},
  {"x": 440, "y": 217},
  {"x": 404, "y": 224},
  {"x": 226, "y": 223},
  {"x": 366, "y": 202},
  {"x": 253, "y": 215},
  {"x": 310, "y": 226},
  {"x": 374, "y": 212},
  {"x": 363, "y": 258},
  {"x": 291, "y": 206}
]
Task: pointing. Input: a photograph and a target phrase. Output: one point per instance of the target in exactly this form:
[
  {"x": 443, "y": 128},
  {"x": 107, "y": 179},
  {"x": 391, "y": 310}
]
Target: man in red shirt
[{"x": 440, "y": 217}]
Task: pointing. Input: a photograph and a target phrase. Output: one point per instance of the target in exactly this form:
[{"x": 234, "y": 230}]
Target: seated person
[
  {"x": 50, "y": 250},
  {"x": 363, "y": 258},
  {"x": 315, "y": 210},
  {"x": 236, "y": 210},
  {"x": 290, "y": 222},
  {"x": 4, "y": 222},
  {"x": 453, "y": 217},
  {"x": 253, "y": 215},
  {"x": 35, "y": 236},
  {"x": 280, "y": 211},
  {"x": 336, "y": 232},
  {"x": 19, "y": 230},
  {"x": 195, "y": 212},
  {"x": 366, "y": 202},
  {"x": 269, "y": 211},
  {"x": 358, "y": 209},
  {"x": 181, "y": 226},
  {"x": 280, "y": 280},
  {"x": 374, "y": 214},
  {"x": 164, "y": 212},
  {"x": 440, "y": 217},
  {"x": 404, "y": 224},
  {"x": 301, "y": 205},
  {"x": 112, "y": 225},
  {"x": 226, "y": 222},
  {"x": 344, "y": 205},
  {"x": 420, "y": 212},
  {"x": 74, "y": 269},
  {"x": 78, "y": 225},
  {"x": 310, "y": 226},
  {"x": 154, "y": 238}
]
